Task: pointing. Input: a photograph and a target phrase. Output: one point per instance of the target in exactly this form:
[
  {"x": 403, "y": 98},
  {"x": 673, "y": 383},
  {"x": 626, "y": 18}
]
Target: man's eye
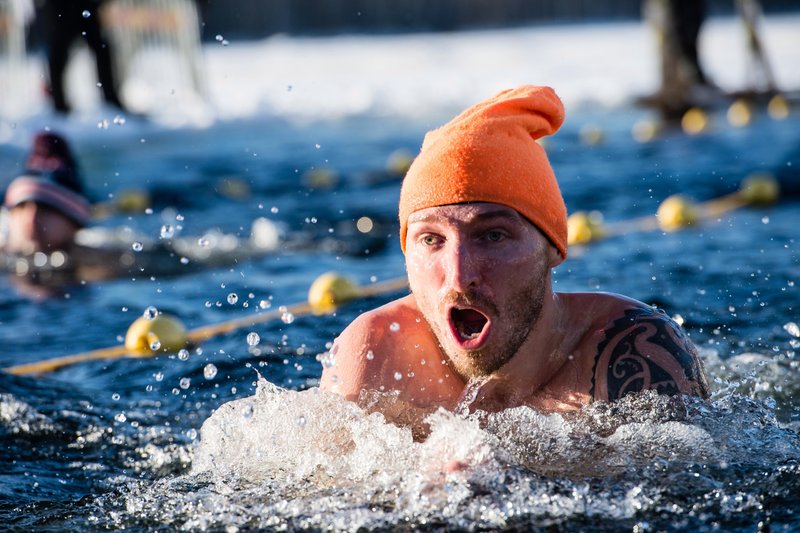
[
  {"x": 428, "y": 240},
  {"x": 495, "y": 236}
]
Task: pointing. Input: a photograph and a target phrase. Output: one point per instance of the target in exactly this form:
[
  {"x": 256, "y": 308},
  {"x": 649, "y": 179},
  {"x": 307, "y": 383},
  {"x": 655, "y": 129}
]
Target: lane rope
[
  {"x": 332, "y": 291},
  {"x": 161, "y": 334},
  {"x": 675, "y": 212}
]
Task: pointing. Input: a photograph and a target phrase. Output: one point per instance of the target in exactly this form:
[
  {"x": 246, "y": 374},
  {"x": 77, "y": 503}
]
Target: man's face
[
  {"x": 479, "y": 273},
  {"x": 35, "y": 227}
]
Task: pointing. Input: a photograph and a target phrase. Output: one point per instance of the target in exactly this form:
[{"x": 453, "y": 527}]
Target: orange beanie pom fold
[{"x": 489, "y": 153}]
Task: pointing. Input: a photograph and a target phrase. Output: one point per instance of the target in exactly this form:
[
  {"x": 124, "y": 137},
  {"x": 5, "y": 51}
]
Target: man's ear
[{"x": 553, "y": 257}]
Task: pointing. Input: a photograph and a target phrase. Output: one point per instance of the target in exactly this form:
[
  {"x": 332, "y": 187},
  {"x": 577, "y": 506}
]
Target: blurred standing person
[
  {"x": 677, "y": 25},
  {"x": 688, "y": 17},
  {"x": 64, "y": 22}
]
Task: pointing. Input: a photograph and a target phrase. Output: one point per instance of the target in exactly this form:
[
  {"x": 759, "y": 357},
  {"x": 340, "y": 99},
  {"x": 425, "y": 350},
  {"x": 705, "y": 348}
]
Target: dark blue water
[{"x": 114, "y": 444}]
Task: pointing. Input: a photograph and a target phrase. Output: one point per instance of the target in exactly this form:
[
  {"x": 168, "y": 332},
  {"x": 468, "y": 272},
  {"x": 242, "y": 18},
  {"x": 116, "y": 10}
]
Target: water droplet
[
  {"x": 394, "y": 327},
  {"x": 159, "y": 376},
  {"x": 792, "y": 329},
  {"x": 327, "y": 359},
  {"x": 86, "y": 13},
  {"x": 120, "y": 417},
  {"x": 167, "y": 231},
  {"x": 301, "y": 421},
  {"x": 115, "y": 397},
  {"x": 202, "y": 242},
  {"x": 286, "y": 316},
  {"x": 185, "y": 383},
  {"x": 184, "y": 260},
  {"x": 137, "y": 246},
  {"x": 209, "y": 371},
  {"x": 183, "y": 354},
  {"x": 233, "y": 298},
  {"x": 119, "y": 120},
  {"x": 364, "y": 224},
  {"x": 273, "y": 209},
  {"x": 679, "y": 320},
  {"x": 265, "y": 304},
  {"x": 765, "y": 220},
  {"x": 370, "y": 356},
  {"x": 398, "y": 376},
  {"x": 253, "y": 339},
  {"x": 155, "y": 345},
  {"x": 150, "y": 312},
  {"x": 192, "y": 434}
]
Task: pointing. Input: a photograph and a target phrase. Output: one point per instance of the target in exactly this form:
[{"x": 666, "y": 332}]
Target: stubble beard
[{"x": 521, "y": 315}]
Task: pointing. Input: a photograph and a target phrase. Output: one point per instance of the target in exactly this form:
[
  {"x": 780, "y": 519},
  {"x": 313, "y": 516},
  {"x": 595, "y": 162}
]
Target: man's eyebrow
[
  {"x": 499, "y": 213},
  {"x": 480, "y": 217}
]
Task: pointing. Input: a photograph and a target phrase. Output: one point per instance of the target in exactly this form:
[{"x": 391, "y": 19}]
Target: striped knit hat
[{"x": 53, "y": 189}]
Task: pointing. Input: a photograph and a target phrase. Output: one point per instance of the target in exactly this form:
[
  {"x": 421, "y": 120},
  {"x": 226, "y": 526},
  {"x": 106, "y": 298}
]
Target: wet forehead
[{"x": 465, "y": 214}]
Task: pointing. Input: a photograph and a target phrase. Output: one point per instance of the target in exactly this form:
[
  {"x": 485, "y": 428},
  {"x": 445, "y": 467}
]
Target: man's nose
[
  {"x": 29, "y": 213},
  {"x": 462, "y": 268}
]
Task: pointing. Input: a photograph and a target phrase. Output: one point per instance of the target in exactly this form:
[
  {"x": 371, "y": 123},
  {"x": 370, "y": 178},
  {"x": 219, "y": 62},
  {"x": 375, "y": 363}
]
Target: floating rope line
[
  {"x": 161, "y": 333},
  {"x": 674, "y": 213}
]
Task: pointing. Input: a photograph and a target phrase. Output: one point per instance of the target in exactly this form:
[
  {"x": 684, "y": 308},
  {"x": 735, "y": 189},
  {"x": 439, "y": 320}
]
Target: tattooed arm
[{"x": 645, "y": 349}]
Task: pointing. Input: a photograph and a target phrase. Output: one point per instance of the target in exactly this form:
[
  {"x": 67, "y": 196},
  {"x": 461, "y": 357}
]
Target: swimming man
[{"x": 482, "y": 223}]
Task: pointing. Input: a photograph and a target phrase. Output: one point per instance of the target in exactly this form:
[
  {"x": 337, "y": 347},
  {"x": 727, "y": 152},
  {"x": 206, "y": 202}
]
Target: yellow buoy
[
  {"x": 677, "y": 212},
  {"x": 399, "y": 161},
  {"x": 645, "y": 131},
  {"x": 329, "y": 291},
  {"x": 233, "y": 187},
  {"x": 760, "y": 189},
  {"x": 778, "y": 107},
  {"x": 591, "y": 134},
  {"x": 694, "y": 121},
  {"x": 739, "y": 114},
  {"x": 583, "y": 227},
  {"x": 133, "y": 201},
  {"x": 163, "y": 333},
  {"x": 320, "y": 178}
]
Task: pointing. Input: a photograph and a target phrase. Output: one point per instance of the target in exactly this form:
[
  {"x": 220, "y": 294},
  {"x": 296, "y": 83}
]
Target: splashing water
[{"x": 308, "y": 460}]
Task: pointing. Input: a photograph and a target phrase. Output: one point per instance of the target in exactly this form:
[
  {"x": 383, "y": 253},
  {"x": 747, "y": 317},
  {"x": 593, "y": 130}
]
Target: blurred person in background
[
  {"x": 47, "y": 241},
  {"x": 47, "y": 204}
]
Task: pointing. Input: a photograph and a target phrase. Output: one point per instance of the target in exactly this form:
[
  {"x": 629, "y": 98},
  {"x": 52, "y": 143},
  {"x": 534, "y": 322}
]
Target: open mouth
[{"x": 469, "y": 326}]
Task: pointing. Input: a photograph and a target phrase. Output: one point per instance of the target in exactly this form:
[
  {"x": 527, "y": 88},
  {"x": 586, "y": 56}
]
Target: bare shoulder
[
  {"x": 361, "y": 355},
  {"x": 373, "y": 327},
  {"x": 635, "y": 347}
]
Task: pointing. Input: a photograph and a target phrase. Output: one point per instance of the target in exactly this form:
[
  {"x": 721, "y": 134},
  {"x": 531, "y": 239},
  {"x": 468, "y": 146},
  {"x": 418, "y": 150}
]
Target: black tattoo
[{"x": 645, "y": 350}]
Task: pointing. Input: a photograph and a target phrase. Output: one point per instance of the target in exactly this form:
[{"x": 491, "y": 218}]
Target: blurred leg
[
  {"x": 101, "y": 48},
  {"x": 59, "y": 32}
]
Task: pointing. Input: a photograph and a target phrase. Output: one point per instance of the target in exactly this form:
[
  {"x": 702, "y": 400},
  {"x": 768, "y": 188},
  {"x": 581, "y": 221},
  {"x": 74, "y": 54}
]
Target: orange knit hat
[{"x": 489, "y": 153}]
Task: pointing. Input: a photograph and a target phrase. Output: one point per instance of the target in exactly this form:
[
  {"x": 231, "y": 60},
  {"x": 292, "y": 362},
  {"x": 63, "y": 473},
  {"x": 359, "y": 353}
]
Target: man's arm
[{"x": 645, "y": 349}]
